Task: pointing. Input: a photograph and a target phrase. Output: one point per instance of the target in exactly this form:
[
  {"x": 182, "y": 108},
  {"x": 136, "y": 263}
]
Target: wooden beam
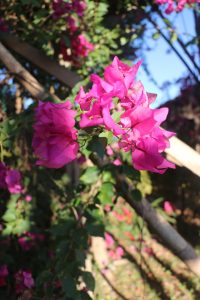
[{"x": 39, "y": 59}]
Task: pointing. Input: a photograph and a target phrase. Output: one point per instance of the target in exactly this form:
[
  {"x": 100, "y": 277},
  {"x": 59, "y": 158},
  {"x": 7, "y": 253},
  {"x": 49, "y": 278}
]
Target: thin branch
[
  {"x": 183, "y": 46},
  {"x": 23, "y": 76},
  {"x": 172, "y": 46},
  {"x": 39, "y": 59}
]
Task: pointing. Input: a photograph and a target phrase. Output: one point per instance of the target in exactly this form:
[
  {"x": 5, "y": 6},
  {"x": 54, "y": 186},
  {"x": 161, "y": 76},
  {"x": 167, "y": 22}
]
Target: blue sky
[{"x": 167, "y": 67}]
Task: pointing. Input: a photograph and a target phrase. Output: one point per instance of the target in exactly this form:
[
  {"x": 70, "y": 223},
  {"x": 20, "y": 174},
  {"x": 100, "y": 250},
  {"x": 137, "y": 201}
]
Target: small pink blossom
[
  {"x": 79, "y": 7},
  {"x": 117, "y": 162},
  {"x": 168, "y": 207},
  {"x": 13, "y": 179},
  {"x": 54, "y": 141},
  {"x": 23, "y": 281},
  {"x": 72, "y": 24},
  {"x": 109, "y": 240},
  {"x": 10, "y": 179},
  {"x": 28, "y": 198}
]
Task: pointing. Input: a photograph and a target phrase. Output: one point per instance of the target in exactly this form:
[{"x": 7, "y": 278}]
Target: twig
[
  {"x": 23, "y": 76},
  {"x": 172, "y": 46},
  {"x": 183, "y": 46}
]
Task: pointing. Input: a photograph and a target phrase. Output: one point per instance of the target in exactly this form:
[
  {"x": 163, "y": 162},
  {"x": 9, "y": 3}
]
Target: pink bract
[
  {"x": 10, "y": 179},
  {"x": 138, "y": 128},
  {"x": 54, "y": 141}
]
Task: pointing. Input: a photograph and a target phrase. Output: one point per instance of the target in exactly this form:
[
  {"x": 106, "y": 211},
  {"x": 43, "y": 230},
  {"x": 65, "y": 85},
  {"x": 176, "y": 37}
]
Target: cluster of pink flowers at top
[
  {"x": 139, "y": 128},
  {"x": 61, "y": 7},
  {"x": 79, "y": 45},
  {"x": 10, "y": 179},
  {"x": 54, "y": 141},
  {"x": 176, "y": 5}
]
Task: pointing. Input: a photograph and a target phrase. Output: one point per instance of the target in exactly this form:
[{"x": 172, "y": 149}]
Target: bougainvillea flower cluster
[
  {"x": 77, "y": 45},
  {"x": 138, "y": 126},
  {"x": 61, "y": 7},
  {"x": 80, "y": 47},
  {"x": 10, "y": 179},
  {"x": 173, "y": 5},
  {"x": 54, "y": 141}
]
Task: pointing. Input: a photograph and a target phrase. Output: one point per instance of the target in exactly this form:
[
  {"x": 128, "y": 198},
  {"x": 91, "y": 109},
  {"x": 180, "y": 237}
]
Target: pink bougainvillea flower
[
  {"x": 109, "y": 240},
  {"x": 81, "y": 47},
  {"x": 79, "y": 7},
  {"x": 54, "y": 141},
  {"x": 117, "y": 162},
  {"x": 147, "y": 157},
  {"x": 23, "y": 281},
  {"x": 120, "y": 72},
  {"x": 28, "y": 198},
  {"x": 71, "y": 21},
  {"x": 60, "y": 8},
  {"x": 13, "y": 179},
  {"x": 121, "y": 105},
  {"x": 10, "y": 179},
  {"x": 28, "y": 279},
  {"x": 172, "y": 5},
  {"x": 168, "y": 207}
]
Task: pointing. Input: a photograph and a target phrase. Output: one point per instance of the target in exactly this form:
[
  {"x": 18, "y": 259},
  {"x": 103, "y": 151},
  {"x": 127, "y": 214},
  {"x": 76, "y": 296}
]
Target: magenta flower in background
[
  {"x": 13, "y": 179},
  {"x": 168, "y": 207},
  {"x": 28, "y": 198},
  {"x": 81, "y": 46},
  {"x": 109, "y": 240},
  {"x": 172, "y": 5},
  {"x": 10, "y": 179},
  {"x": 23, "y": 281},
  {"x": 55, "y": 139}
]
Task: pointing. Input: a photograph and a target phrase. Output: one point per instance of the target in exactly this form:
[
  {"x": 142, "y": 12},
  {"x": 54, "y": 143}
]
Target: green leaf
[
  {"x": 90, "y": 175},
  {"x": 157, "y": 201},
  {"x": 69, "y": 286},
  {"x": 89, "y": 280},
  {"x": 108, "y": 135},
  {"x": 95, "y": 229},
  {"x": 130, "y": 172},
  {"x": 173, "y": 36},
  {"x": 9, "y": 216},
  {"x": 136, "y": 194},
  {"x": 97, "y": 145},
  {"x": 106, "y": 194},
  {"x": 21, "y": 226},
  {"x": 156, "y": 35}
]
